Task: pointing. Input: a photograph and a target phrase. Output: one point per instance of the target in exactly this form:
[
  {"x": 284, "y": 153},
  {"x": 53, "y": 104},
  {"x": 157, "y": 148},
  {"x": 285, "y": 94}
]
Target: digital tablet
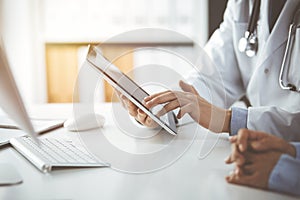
[{"x": 125, "y": 85}]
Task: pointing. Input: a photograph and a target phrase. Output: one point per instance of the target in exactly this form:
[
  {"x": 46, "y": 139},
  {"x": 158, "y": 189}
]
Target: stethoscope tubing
[
  {"x": 292, "y": 31},
  {"x": 254, "y": 17}
]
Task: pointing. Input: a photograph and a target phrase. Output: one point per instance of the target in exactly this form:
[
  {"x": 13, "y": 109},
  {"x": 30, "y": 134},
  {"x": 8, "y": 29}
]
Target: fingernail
[
  {"x": 226, "y": 159},
  {"x": 236, "y": 171}
]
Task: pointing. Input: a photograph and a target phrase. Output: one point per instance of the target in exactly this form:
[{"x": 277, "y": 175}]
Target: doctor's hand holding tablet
[{"x": 188, "y": 101}]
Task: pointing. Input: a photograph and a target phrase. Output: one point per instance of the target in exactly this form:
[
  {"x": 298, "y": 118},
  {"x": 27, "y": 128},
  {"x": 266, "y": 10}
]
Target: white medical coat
[{"x": 273, "y": 110}]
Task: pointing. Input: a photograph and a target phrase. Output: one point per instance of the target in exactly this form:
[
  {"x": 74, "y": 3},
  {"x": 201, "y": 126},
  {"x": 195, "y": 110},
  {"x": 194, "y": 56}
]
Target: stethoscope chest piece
[
  {"x": 243, "y": 44},
  {"x": 248, "y": 44}
]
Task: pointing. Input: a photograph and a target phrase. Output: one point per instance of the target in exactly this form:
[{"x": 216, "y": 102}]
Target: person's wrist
[
  {"x": 290, "y": 149},
  {"x": 286, "y": 148},
  {"x": 226, "y": 127}
]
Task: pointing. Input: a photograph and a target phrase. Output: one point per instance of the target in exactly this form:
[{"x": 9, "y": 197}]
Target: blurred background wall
[{"x": 46, "y": 40}]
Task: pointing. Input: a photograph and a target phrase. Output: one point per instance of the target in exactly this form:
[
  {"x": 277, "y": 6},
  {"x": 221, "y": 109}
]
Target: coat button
[{"x": 266, "y": 71}]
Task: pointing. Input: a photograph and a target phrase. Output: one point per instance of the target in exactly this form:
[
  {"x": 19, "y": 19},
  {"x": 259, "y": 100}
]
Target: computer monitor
[{"x": 10, "y": 98}]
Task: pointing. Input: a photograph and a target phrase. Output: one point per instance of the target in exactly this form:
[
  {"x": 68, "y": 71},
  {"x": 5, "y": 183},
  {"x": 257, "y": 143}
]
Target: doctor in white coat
[{"x": 272, "y": 109}]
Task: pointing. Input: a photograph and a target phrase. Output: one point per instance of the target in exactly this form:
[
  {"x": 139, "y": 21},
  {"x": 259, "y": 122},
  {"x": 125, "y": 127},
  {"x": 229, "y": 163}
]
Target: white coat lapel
[{"x": 280, "y": 31}]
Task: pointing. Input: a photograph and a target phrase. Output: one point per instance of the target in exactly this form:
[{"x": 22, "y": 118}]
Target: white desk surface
[{"x": 187, "y": 178}]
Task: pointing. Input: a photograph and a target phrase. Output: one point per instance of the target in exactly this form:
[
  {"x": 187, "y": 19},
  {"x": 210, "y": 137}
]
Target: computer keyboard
[{"x": 54, "y": 153}]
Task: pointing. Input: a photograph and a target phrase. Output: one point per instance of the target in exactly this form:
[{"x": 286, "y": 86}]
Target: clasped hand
[{"x": 255, "y": 154}]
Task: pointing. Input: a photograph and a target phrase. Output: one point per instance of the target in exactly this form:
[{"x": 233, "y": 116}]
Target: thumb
[{"x": 187, "y": 87}]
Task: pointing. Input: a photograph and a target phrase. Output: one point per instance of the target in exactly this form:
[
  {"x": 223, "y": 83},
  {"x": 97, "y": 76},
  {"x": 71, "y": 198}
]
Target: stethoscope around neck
[{"x": 248, "y": 44}]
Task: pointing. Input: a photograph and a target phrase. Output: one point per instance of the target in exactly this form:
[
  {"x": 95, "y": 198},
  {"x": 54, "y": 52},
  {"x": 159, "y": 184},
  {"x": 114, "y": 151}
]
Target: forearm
[
  {"x": 227, "y": 123},
  {"x": 220, "y": 120}
]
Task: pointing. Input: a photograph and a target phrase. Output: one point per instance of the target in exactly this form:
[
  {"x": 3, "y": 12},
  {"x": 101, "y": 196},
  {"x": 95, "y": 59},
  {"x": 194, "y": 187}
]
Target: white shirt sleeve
[{"x": 219, "y": 79}]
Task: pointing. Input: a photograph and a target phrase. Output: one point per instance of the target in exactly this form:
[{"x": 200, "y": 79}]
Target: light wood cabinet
[{"x": 62, "y": 69}]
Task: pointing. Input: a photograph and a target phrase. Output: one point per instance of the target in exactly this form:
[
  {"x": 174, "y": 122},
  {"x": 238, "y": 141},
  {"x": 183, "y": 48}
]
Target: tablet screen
[{"x": 118, "y": 79}]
